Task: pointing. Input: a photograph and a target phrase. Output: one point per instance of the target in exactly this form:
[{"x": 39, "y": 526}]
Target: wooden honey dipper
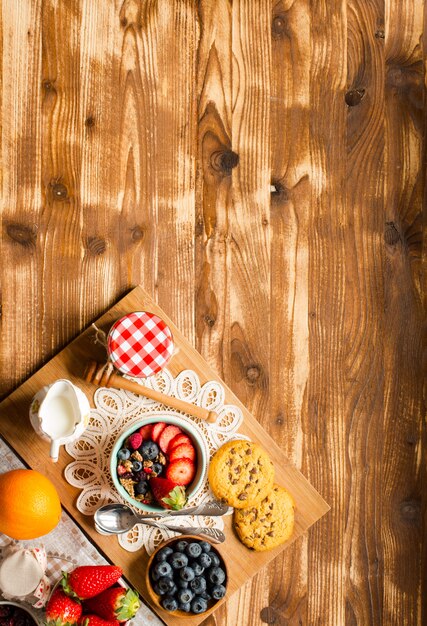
[{"x": 105, "y": 375}]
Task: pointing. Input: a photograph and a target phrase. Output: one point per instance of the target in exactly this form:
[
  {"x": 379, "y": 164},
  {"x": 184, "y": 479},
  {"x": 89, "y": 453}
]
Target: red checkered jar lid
[{"x": 140, "y": 344}]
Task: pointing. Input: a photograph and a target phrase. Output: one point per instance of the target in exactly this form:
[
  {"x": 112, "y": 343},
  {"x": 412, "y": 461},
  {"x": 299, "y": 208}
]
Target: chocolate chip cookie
[
  {"x": 268, "y": 524},
  {"x": 241, "y": 473}
]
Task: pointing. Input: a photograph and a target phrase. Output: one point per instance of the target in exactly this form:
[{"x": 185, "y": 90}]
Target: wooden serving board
[{"x": 15, "y": 427}]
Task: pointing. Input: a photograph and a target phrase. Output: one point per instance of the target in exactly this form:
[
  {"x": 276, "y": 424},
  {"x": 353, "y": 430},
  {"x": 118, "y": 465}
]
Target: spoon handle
[
  {"x": 213, "y": 534},
  {"x": 206, "y": 508}
]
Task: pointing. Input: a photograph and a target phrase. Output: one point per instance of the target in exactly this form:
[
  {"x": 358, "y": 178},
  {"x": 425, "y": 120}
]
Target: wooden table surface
[{"x": 258, "y": 167}]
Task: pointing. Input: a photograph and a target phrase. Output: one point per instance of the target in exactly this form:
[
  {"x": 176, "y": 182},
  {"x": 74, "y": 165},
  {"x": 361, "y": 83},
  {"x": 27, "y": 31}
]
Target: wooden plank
[
  {"x": 402, "y": 467},
  {"x": 60, "y": 147},
  {"x": 325, "y": 422},
  {"x": 70, "y": 363},
  {"x": 286, "y": 585},
  {"x": 247, "y": 365},
  {"x": 363, "y": 356},
  {"x": 175, "y": 35},
  {"x": 21, "y": 201}
]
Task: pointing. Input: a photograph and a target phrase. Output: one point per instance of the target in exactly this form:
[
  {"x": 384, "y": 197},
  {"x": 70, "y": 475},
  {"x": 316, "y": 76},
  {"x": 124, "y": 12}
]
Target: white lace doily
[{"x": 116, "y": 410}]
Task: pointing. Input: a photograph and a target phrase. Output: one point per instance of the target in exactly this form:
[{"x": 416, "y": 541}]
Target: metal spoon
[
  {"x": 215, "y": 535},
  {"x": 117, "y": 515}
]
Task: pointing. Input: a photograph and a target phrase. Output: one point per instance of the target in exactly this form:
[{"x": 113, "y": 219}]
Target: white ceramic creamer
[{"x": 59, "y": 413}]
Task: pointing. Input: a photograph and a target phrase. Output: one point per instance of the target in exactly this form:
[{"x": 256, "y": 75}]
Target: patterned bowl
[{"x": 190, "y": 429}]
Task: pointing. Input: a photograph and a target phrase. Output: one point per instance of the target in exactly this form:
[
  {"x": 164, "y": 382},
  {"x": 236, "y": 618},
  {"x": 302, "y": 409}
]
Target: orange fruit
[{"x": 29, "y": 504}]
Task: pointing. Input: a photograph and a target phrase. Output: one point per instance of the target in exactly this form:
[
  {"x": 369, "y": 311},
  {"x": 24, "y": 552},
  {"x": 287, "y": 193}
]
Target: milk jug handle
[{"x": 54, "y": 450}]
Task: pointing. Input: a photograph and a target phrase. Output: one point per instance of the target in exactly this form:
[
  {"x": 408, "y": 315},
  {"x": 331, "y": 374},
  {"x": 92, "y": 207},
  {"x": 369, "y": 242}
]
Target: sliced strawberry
[
  {"x": 157, "y": 431},
  {"x": 178, "y": 440},
  {"x": 181, "y": 471},
  {"x": 146, "y": 432},
  {"x": 183, "y": 451},
  {"x": 167, "y": 435},
  {"x": 168, "y": 494}
]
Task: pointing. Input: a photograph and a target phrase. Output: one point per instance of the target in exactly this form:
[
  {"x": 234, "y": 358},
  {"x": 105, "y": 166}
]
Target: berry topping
[
  {"x": 123, "y": 454},
  {"x": 168, "y": 494},
  {"x": 149, "y": 450},
  {"x": 141, "y": 488},
  {"x": 135, "y": 441},
  {"x": 145, "y": 432},
  {"x": 178, "y": 440},
  {"x": 157, "y": 431},
  {"x": 181, "y": 471},
  {"x": 183, "y": 451},
  {"x": 166, "y": 437}
]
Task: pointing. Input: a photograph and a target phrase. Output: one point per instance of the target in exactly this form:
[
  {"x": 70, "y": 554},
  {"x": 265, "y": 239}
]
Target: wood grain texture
[{"x": 258, "y": 166}]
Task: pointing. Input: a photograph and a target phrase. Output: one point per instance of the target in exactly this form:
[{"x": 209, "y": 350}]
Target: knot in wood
[
  {"x": 268, "y": 615},
  {"x": 391, "y": 234},
  {"x": 224, "y": 161},
  {"x": 279, "y": 191},
  {"x": 96, "y": 245},
  {"x": 48, "y": 85},
  {"x": 59, "y": 191},
  {"x": 253, "y": 372},
  {"x": 210, "y": 321},
  {"x": 279, "y": 419},
  {"x": 20, "y": 233},
  {"x": 279, "y": 26},
  {"x": 90, "y": 121},
  {"x": 410, "y": 511},
  {"x": 354, "y": 97},
  {"x": 380, "y": 34},
  {"x": 137, "y": 233}
]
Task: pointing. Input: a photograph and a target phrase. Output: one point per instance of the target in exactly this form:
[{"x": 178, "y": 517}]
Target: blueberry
[
  {"x": 206, "y": 547},
  {"x": 182, "y": 584},
  {"x": 137, "y": 466},
  {"x": 169, "y": 603},
  {"x": 141, "y": 488},
  {"x": 199, "y": 605},
  {"x": 198, "y": 569},
  {"x": 166, "y": 585},
  {"x": 215, "y": 559},
  {"x": 161, "y": 569},
  {"x": 187, "y": 573},
  {"x": 218, "y": 592},
  {"x": 123, "y": 454},
  {"x": 198, "y": 585},
  {"x": 160, "y": 590},
  {"x": 157, "y": 468},
  {"x": 184, "y": 595},
  {"x": 178, "y": 560},
  {"x": 185, "y": 606},
  {"x": 193, "y": 550},
  {"x": 149, "y": 450},
  {"x": 206, "y": 595},
  {"x": 216, "y": 575},
  {"x": 164, "y": 553},
  {"x": 205, "y": 560},
  {"x": 181, "y": 546}
]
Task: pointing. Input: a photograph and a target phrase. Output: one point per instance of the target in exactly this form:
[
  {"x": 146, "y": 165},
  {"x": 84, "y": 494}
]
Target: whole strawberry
[
  {"x": 168, "y": 494},
  {"x": 87, "y": 581},
  {"x": 61, "y": 610},
  {"x": 95, "y": 620},
  {"x": 114, "y": 603}
]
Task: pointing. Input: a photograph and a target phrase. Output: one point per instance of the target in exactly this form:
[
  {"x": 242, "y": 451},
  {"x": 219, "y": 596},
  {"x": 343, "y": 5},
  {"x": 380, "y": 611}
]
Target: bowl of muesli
[{"x": 160, "y": 462}]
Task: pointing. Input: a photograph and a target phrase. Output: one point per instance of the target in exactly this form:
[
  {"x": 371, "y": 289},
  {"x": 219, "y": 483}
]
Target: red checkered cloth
[{"x": 140, "y": 344}]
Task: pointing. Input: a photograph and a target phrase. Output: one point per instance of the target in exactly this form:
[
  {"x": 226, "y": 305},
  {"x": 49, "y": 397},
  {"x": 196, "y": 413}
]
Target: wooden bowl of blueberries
[{"x": 186, "y": 576}]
